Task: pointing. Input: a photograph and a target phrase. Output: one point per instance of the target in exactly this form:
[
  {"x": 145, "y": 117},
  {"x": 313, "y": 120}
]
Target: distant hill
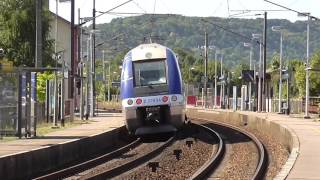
[{"x": 188, "y": 33}]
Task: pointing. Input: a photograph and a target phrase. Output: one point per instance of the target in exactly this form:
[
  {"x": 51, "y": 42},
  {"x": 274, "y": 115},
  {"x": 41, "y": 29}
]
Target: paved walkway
[{"x": 102, "y": 123}]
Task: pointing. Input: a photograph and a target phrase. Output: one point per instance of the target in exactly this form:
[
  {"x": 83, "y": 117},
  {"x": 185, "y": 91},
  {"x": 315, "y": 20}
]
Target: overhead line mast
[{"x": 307, "y": 60}]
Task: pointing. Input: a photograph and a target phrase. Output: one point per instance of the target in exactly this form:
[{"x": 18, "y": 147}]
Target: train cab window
[{"x": 150, "y": 72}]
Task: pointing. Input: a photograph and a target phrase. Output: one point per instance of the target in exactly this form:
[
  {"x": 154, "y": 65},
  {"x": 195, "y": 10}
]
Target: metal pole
[
  {"x": 288, "y": 105},
  {"x": 55, "y": 92},
  {"x": 81, "y": 66},
  {"x": 280, "y": 73},
  {"x": 88, "y": 67},
  {"x": 72, "y": 51},
  {"x": 215, "y": 78},
  {"x": 104, "y": 76},
  {"x": 250, "y": 67},
  {"x": 91, "y": 77},
  {"x": 47, "y": 100},
  {"x": 306, "y": 115},
  {"x": 109, "y": 81},
  {"x": 228, "y": 90},
  {"x": 259, "y": 80},
  {"x": 93, "y": 59},
  {"x": 205, "y": 68},
  {"x": 264, "y": 61},
  {"x": 221, "y": 86},
  {"x": 38, "y": 58},
  {"x": 62, "y": 93},
  {"x": 19, "y": 106},
  {"x": 81, "y": 89}
]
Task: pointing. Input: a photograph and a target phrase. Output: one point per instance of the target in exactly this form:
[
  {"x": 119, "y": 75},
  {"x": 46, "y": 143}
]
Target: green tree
[
  {"x": 18, "y": 32},
  {"x": 300, "y": 79},
  {"x": 41, "y": 84},
  {"x": 314, "y": 75}
]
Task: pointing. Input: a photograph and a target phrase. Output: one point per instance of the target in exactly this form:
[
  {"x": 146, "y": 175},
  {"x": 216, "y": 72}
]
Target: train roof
[{"x": 149, "y": 51}]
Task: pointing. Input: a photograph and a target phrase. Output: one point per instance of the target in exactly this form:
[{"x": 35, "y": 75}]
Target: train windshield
[{"x": 150, "y": 72}]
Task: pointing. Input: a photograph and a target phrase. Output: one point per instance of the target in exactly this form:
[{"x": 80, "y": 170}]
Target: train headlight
[
  {"x": 174, "y": 98},
  {"x": 130, "y": 102},
  {"x": 165, "y": 98},
  {"x": 139, "y": 101}
]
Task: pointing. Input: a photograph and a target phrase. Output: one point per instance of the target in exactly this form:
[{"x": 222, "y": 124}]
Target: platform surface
[{"x": 102, "y": 123}]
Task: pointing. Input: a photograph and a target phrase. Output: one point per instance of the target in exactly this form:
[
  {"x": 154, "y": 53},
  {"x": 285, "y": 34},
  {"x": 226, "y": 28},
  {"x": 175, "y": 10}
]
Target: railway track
[
  {"x": 198, "y": 152},
  {"x": 238, "y": 139},
  {"x": 90, "y": 163}
]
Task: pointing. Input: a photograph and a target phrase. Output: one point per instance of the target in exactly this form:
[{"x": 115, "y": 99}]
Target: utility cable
[
  {"x": 106, "y": 12},
  {"x": 305, "y": 14},
  {"x": 230, "y": 31}
]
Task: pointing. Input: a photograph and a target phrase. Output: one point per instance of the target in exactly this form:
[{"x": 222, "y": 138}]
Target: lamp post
[
  {"x": 206, "y": 47},
  {"x": 307, "y": 73},
  {"x": 92, "y": 72},
  {"x": 222, "y": 84},
  {"x": 306, "y": 111},
  {"x": 104, "y": 76},
  {"x": 279, "y": 29},
  {"x": 215, "y": 76},
  {"x": 250, "y": 68},
  {"x": 259, "y": 99}
]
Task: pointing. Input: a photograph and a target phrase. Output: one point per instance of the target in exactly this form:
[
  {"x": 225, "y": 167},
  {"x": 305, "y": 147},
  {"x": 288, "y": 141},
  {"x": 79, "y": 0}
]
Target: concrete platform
[
  {"x": 304, "y": 160},
  {"x": 57, "y": 147}
]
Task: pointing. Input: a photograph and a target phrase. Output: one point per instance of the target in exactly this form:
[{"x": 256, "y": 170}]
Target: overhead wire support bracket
[{"x": 305, "y": 14}]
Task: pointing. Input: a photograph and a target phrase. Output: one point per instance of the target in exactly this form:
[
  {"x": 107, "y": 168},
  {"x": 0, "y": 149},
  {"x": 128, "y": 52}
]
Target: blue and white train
[{"x": 151, "y": 90}]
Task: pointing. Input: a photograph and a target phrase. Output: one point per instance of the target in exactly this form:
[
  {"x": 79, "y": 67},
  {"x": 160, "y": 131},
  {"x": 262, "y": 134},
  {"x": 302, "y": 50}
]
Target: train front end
[{"x": 151, "y": 90}]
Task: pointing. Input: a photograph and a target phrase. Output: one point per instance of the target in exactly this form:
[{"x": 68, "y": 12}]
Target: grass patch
[
  {"x": 8, "y": 138},
  {"x": 109, "y": 105},
  {"x": 46, "y": 128}
]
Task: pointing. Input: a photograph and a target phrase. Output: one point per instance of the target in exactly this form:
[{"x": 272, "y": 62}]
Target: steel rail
[
  {"x": 263, "y": 157},
  {"x": 90, "y": 163},
  {"x": 215, "y": 159},
  {"x": 134, "y": 163}
]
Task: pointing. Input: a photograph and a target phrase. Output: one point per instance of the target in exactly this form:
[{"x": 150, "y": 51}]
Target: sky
[{"x": 201, "y": 8}]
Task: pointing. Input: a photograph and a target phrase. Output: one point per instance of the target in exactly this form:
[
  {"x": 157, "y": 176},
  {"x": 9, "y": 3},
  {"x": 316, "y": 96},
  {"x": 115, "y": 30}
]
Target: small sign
[
  {"x": 66, "y": 74},
  {"x": 247, "y": 75},
  {"x": 285, "y": 76}
]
